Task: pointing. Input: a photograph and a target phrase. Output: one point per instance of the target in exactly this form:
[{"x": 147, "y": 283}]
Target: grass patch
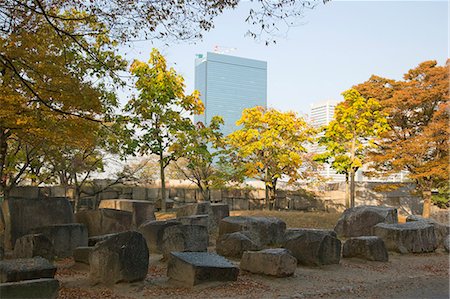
[{"x": 297, "y": 219}]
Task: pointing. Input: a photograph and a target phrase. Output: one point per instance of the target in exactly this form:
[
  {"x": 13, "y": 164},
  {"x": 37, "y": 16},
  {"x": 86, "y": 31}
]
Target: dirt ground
[{"x": 404, "y": 276}]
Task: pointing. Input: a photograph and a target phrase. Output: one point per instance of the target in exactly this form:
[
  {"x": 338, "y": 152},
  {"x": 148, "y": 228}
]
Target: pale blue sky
[{"x": 338, "y": 45}]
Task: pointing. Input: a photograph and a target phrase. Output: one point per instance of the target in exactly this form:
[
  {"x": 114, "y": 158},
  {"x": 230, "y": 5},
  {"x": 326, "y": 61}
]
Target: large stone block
[
  {"x": 24, "y": 192},
  {"x": 121, "y": 258},
  {"x": 220, "y": 211},
  {"x": 92, "y": 241},
  {"x": 275, "y": 262},
  {"x": 313, "y": 247},
  {"x": 32, "y": 245},
  {"x": 139, "y": 193},
  {"x": 46, "y": 288},
  {"x": 195, "y": 209},
  {"x": 153, "y": 232},
  {"x": 441, "y": 230},
  {"x": 82, "y": 254},
  {"x": 25, "y": 269},
  {"x": 447, "y": 243},
  {"x": 65, "y": 237},
  {"x": 270, "y": 230},
  {"x": 185, "y": 238},
  {"x": 22, "y": 215},
  {"x": 105, "y": 221},
  {"x": 369, "y": 247},
  {"x": 234, "y": 244},
  {"x": 359, "y": 221},
  {"x": 416, "y": 237},
  {"x": 202, "y": 220},
  {"x": 142, "y": 210},
  {"x": 193, "y": 268}
]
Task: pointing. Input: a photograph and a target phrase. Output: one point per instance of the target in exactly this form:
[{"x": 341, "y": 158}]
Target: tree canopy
[
  {"x": 356, "y": 122},
  {"x": 418, "y": 113},
  {"x": 269, "y": 145}
]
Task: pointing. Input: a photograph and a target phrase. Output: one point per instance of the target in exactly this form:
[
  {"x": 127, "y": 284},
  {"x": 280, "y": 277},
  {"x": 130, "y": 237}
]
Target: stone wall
[{"x": 332, "y": 198}]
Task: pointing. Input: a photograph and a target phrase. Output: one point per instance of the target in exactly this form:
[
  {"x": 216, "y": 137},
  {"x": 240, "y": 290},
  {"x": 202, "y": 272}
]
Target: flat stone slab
[
  {"x": 65, "y": 237},
  {"x": 275, "y": 262},
  {"x": 26, "y": 269},
  {"x": 313, "y": 247},
  {"x": 81, "y": 254},
  {"x": 409, "y": 237},
  {"x": 369, "y": 247},
  {"x": 270, "y": 230},
  {"x": 45, "y": 288},
  {"x": 193, "y": 268},
  {"x": 360, "y": 221}
]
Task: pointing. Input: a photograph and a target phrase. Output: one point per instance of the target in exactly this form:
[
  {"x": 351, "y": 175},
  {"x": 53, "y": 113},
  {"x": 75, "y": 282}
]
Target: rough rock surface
[
  {"x": 32, "y": 245},
  {"x": 359, "y": 221},
  {"x": 313, "y": 247},
  {"x": 441, "y": 230},
  {"x": 45, "y": 288},
  {"x": 20, "y": 216},
  {"x": 234, "y": 244},
  {"x": 81, "y": 254},
  {"x": 368, "y": 247},
  {"x": 220, "y": 211},
  {"x": 153, "y": 232},
  {"x": 275, "y": 262},
  {"x": 25, "y": 269},
  {"x": 416, "y": 237},
  {"x": 447, "y": 243},
  {"x": 121, "y": 258},
  {"x": 105, "y": 221},
  {"x": 270, "y": 230},
  {"x": 192, "y": 268},
  {"x": 200, "y": 208},
  {"x": 64, "y": 237},
  {"x": 202, "y": 220},
  {"x": 182, "y": 238}
]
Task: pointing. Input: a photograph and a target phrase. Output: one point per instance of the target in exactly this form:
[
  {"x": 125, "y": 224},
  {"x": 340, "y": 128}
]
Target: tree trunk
[
  {"x": 352, "y": 188},
  {"x": 266, "y": 200},
  {"x": 347, "y": 192},
  {"x": 163, "y": 182},
  {"x": 426, "y": 194},
  {"x": 3, "y": 152}
]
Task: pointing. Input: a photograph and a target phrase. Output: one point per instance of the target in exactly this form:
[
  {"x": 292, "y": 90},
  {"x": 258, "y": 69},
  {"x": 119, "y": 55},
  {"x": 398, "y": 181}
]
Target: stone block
[
  {"x": 139, "y": 193},
  {"x": 193, "y": 268},
  {"x": 441, "y": 230},
  {"x": 313, "y": 247},
  {"x": 216, "y": 195},
  {"x": 202, "y": 220},
  {"x": 359, "y": 221},
  {"x": 152, "y": 193},
  {"x": 153, "y": 232},
  {"x": 234, "y": 244},
  {"x": 447, "y": 243},
  {"x": 92, "y": 241},
  {"x": 200, "y": 208},
  {"x": 25, "y": 192},
  {"x": 32, "y": 245},
  {"x": 121, "y": 258},
  {"x": 275, "y": 262},
  {"x": 105, "y": 221},
  {"x": 409, "y": 237},
  {"x": 368, "y": 247},
  {"x": 25, "y": 269},
  {"x": 58, "y": 191},
  {"x": 46, "y": 288},
  {"x": 142, "y": 210},
  {"x": 185, "y": 238},
  {"x": 22, "y": 215},
  {"x": 220, "y": 211},
  {"x": 81, "y": 254},
  {"x": 270, "y": 230},
  {"x": 65, "y": 237}
]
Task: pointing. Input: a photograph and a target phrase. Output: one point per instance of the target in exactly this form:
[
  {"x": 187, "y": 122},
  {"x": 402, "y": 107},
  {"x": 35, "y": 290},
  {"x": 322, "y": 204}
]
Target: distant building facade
[{"x": 228, "y": 85}]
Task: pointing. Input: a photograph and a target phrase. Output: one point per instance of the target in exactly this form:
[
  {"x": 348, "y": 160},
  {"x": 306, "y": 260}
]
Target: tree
[
  {"x": 160, "y": 111},
  {"x": 357, "y": 120},
  {"x": 269, "y": 145},
  {"x": 418, "y": 113},
  {"x": 200, "y": 149}
]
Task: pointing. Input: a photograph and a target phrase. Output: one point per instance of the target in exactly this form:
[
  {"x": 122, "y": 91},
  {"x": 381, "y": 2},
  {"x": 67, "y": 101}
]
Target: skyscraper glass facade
[{"x": 228, "y": 85}]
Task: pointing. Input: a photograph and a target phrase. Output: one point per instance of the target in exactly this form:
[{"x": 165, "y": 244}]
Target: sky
[{"x": 337, "y": 45}]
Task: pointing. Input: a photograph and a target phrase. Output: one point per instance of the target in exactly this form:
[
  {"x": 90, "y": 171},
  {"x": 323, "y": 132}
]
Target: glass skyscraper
[{"x": 228, "y": 85}]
